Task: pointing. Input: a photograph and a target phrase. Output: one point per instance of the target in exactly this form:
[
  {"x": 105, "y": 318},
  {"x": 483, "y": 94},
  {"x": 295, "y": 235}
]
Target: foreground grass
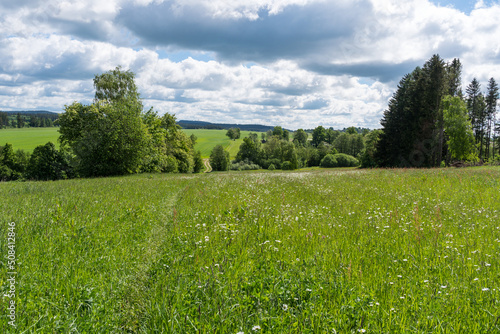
[{"x": 382, "y": 251}]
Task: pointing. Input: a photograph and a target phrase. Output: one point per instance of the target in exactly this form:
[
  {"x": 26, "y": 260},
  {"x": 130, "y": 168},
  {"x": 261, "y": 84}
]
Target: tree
[
  {"x": 233, "y": 133},
  {"x": 476, "y": 108},
  {"x": 300, "y": 137},
  {"x": 12, "y": 164},
  {"x": 278, "y": 131},
  {"x": 318, "y": 135},
  {"x": 219, "y": 159},
  {"x": 413, "y": 132},
  {"x": 47, "y": 163},
  {"x": 368, "y": 157},
  {"x": 458, "y": 129},
  {"x": 109, "y": 136},
  {"x": 492, "y": 97},
  {"x": 249, "y": 151},
  {"x": 454, "y": 78},
  {"x": 20, "y": 121},
  {"x": 198, "y": 162}
]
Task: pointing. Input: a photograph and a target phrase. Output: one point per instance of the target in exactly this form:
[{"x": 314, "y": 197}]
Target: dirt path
[{"x": 208, "y": 168}]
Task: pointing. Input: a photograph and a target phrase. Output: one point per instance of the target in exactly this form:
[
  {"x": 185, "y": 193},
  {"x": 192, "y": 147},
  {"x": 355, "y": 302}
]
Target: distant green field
[
  {"x": 208, "y": 139},
  {"x": 28, "y": 138}
]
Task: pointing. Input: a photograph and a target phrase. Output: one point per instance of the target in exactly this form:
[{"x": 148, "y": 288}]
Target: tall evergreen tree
[
  {"x": 492, "y": 97},
  {"x": 413, "y": 124},
  {"x": 477, "y": 109},
  {"x": 454, "y": 78}
]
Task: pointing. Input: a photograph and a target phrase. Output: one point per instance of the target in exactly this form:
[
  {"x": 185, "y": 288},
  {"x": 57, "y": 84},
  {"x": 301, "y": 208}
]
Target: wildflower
[
  {"x": 285, "y": 307},
  {"x": 362, "y": 330},
  {"x": 487, "y": 264},
  {"x": 240, "y": 333},
  {"x": 256, "y": 328},
  {"x": 476, "y": 279},
  {"x": 486, "y": 289},
  {"x": 443, "y": 286}
]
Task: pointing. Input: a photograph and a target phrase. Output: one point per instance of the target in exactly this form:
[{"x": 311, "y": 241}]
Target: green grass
[
  {"x": 321, "y": 251},
  {"x": 208, "y": 139},
  {"x": 28, "y": 138}
]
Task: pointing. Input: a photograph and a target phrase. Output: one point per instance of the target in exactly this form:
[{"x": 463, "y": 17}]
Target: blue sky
[{"x": 294, "y": 63}]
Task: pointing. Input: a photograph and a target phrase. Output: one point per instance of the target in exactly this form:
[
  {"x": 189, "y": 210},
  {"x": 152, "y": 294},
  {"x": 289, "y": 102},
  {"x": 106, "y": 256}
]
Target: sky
[{"x": 292, "y": 63}]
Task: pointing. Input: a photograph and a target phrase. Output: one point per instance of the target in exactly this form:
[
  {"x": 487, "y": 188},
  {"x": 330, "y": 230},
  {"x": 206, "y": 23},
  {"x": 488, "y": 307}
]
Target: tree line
[
  {"x": 430, "y": 122},
  {"x": 279, "y": 149},
  {"x": 20, "y": 120}
]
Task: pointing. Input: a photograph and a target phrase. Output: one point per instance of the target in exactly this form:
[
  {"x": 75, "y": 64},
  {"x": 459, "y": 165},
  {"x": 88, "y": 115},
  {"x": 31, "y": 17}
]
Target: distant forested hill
[{"x": 219, "y": 126}]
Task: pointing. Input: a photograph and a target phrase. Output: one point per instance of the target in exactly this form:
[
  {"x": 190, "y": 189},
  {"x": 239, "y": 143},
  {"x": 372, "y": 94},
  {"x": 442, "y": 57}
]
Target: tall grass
[{"x": 381, "y": 251}]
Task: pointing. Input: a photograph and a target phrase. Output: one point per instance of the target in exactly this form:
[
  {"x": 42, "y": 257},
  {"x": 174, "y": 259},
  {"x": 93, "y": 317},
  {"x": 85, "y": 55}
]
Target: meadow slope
[{"x": 375, "y": 251}]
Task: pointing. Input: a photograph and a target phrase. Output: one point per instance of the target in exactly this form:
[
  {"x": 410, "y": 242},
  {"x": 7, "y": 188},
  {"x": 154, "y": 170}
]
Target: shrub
[
  {"x": 344, "y": 160},
  {"x": 339, "y": 160},
  {"x": 271, "y": 167},
  {"x": 244, "y": 165},
  {"x": 329, "y": 161},
  {"x": 287, "y": 165}
]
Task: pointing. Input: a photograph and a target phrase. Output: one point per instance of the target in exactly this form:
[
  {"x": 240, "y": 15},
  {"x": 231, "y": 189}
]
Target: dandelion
[{"x": 256, "y": 328}]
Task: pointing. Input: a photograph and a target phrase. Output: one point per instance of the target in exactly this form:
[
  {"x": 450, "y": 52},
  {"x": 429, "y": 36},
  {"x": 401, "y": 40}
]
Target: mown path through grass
[{"x": 85, "y": 248}]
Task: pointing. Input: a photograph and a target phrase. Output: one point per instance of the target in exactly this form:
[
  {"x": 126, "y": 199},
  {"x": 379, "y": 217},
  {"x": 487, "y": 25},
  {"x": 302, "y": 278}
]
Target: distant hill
[
  {"x": 32, "y": 112},
  {"x": 220, "y": 126}
]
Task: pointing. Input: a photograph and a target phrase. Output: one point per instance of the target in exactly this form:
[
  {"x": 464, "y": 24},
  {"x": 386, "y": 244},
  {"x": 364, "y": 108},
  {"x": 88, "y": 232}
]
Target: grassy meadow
[
  {"x": 29, "y": 138},
  {"x": 208, "y": 139},
  {"x": 322, "y": 251}
]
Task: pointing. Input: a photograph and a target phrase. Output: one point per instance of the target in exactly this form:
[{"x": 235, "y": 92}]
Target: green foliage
[
  {"x": 368, "y": 157},
  {"x": 458, "y": 129},
  {"x": 233, "y": 133},
  {"x": 244, "y": 165},
  {"x": 339, "y": 160},
  {"x": 197, "y": 162},
  {"x": 329, "y": 161},
  {"x": 413, "y": 133},
  {"x": 300, "y": 137},
  {"x": 47, "y": 163},
  {"x": 107, "y": 139},
  {"x": 219, "y": 159},
  {"x": 271, "y": 167},
  {"x": 318, "y": 135},
  {"x": 12, "y": 164},
  {"x": 287, "y": 165}
]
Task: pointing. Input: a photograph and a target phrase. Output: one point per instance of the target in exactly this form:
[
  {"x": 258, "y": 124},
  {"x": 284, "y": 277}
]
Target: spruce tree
[{"x": 492, "y": 97}]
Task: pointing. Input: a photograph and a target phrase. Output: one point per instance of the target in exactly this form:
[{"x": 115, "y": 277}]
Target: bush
[
  {"x": 339, "y": 160},
  {"x": 271, "y": 167},
  {"x": 344, "y": 160},
  {"x": 47, "y": 163},
  {"x": 287, "y": 165},
  {"x": 269, "y": 162},
  {"x": 244, "y": 165},
  {"x": 329, "y": 161}
]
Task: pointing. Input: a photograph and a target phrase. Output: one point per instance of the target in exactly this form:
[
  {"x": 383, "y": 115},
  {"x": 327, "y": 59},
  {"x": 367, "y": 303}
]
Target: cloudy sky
[{"x": 294, "y": 63}]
